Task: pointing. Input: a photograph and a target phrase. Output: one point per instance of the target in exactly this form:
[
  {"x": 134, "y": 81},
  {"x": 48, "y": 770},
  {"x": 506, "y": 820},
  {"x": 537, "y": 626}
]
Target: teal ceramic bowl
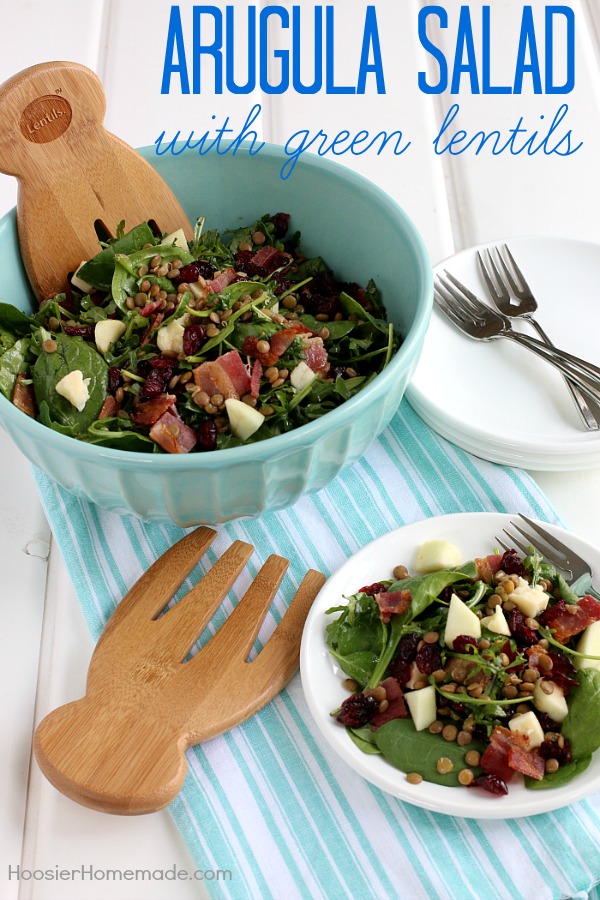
[{"x": 363, "y": 234}]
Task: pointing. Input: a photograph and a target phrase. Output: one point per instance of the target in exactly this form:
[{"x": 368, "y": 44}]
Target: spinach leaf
[
  {"x": 118, "y": 433},
  {"x": 358, "y": 666},
  {"x": 12, "y": 362},
  {"x": 7, "y": 340},
  {"x": 562, "y": 776},
  {"x": 309, "y": 267},
  {"x": 582, "y": 723},
  {"x": 419, "y": 751},
  {"x": 337, "y": 330},
  {"x": 98, "y": 271},
  {"x": 357, "y": 637},
  {"x": 364, "y": 739},
  {"x": 15, "y": 321},
  {"x": 71, "y": 353},
  {"x": 566, "y": 591}
]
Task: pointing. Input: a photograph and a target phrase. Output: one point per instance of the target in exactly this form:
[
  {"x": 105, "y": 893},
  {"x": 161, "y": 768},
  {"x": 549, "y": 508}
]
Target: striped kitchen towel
[{"x": 269, "y": 801}]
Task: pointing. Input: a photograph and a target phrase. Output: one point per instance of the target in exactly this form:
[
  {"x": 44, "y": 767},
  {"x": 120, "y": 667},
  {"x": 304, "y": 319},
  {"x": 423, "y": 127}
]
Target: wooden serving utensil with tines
[
  {"x": 121, "y": 748},
  {"x": 76, "y": 180}
]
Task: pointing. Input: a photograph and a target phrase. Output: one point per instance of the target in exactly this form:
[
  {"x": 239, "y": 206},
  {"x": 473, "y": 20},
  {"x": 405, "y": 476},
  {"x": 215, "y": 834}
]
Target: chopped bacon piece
[
  {"x": 172, "y": 434},
  {"x": 495, "y": 758},
  {"x": 281, "y": 340},
  {"x": 528, "y": 762},
  {"x": 508, "y": 752},
  {"x": 270, "y": 258},
  {"x": 226, "y": 376},
  {"x": 24, "y": 396},
  {"x": 222, "y": 280},
  {"x": 392, "y": 602},
  {"x": 150, "y": 411},
  {"x": 487, "y": 566},
  {"x": 255, "y": 377},
  {"x": 233, "y": 366},
  {"x": 110, "y": 408},
  {"x": 315, "y": 355},
  {"x": 150, "y": 308},
  {"x": 396, "y": 706},
  {"x": 153, "y": 324},
  {"x": 568, "y": 619}
]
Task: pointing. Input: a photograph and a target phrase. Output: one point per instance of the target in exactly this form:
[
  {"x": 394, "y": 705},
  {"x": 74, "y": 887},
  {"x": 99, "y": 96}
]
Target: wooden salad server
[
  {"x": 74, "y": 176},
  {"x": 121, "y": 748}
]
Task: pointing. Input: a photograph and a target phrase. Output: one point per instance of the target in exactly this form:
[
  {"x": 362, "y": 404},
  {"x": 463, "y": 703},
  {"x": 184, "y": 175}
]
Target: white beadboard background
[{"x": 44, "y": 647}]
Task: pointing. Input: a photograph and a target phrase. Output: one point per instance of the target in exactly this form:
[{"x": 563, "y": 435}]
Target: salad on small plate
[{"x": 457, "y": 675}]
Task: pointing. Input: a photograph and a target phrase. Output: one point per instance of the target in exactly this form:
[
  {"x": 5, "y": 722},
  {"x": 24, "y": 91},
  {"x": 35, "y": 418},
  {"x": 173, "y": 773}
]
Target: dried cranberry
[
  {"x": 372, "y": 589},
  {"x": 429, "y": 658},
  {"x": 512, "y": 564},
  {"x": 280, "y": 221},
  {"x": 244, "y": 263},
  {"x": 115, "y": 379},
  {"x": 547, "y": 723},
  {"x": 463, "y": 642},
  {"x": 446, "y": 594},
  {"x": 552, "y": 750},
  {"x": 84, "y": 331},
  {"x": 207, "y": 436},
  {"x": 400, "y": 666},
  {"x": 320, "y": 305},
  {"x": 193, "y": 271},
  {"x": 282, "y": 283},
  {"x": 493, "y": 784},
  {"x": 159, "y": 370},
  {"x": 357, "y": 710},
  {"x": 522, "y": 634},
  {"x": 193, "y": 337}
]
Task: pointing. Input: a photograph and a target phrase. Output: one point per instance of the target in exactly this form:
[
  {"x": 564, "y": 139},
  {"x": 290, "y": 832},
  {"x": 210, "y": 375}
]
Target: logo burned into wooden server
[{"x": 45, "y": 119}]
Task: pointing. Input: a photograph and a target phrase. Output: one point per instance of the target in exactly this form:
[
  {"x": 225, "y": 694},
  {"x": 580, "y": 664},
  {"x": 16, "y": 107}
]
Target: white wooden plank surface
[{"x": 454, "y": 203}]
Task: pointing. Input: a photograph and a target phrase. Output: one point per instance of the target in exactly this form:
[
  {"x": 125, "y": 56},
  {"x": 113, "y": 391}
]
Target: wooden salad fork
[
  {"x": 121, "y": 748},
  {"x": 76, "y": 180}
]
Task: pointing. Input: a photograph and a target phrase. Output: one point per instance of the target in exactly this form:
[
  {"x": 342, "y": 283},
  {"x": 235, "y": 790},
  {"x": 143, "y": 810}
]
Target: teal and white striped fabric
[{"x": 269, "y": 801}]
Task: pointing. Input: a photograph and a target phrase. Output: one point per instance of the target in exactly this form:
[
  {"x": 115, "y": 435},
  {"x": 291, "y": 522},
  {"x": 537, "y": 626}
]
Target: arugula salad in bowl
[
  {"x": 163, "y": 346},
  {"x": 481, "y": 675}
]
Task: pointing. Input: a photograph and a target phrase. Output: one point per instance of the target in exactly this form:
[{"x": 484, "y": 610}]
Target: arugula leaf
[
  {"x": 353, "y": 308},
  {"x": 118, "y": 433}
]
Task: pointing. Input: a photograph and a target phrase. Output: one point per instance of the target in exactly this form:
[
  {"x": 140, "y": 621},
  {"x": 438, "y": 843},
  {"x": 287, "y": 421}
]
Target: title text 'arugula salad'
[
  {"x": 161, "y": 345},
  {"x": 467, "y": 674}
]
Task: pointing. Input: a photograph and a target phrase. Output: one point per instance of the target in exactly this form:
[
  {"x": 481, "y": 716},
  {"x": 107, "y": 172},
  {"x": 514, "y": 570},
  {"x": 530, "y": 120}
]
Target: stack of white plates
[{"x": 497, "y": 399}]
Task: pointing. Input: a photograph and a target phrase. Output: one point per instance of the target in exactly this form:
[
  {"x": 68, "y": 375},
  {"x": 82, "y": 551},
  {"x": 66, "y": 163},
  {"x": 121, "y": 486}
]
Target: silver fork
[
  {"x": 481, "y": 322},
  {"x": 579, "y": 571},
  {"x": 513, "y": 297}
]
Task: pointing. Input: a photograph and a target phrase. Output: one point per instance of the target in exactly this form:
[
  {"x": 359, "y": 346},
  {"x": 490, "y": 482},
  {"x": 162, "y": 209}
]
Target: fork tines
[{"x": 490, "y": 259}]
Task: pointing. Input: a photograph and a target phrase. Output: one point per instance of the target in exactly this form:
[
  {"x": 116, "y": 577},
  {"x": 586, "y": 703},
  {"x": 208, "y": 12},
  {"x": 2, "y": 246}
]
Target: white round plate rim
[
  {"x": 474, "y": 534},
  {"x": 574, "y": 449}
]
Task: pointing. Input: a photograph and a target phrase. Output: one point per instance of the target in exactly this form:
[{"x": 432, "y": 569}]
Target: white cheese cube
[
  {"x": 169, "y": 338},
  {"x": 496, "y": 622},
  {"x": 243, "y": 419},
  {"x": 528, "y": 725},
  {"x": 301, "y": 376},
  {"x": 461, "y": 620},
  {"x": 589, "y": 642},
  {"x": 531, "y": 601},
  {"x": 421, "y": 705},
  {"x": 554, "y": 703},
  {"x": 74, "y": 388},
  {"x": 107, "y": 332},
  {"x": 178, "y": 238},
  {"x": 79, "y": 283},
  {"x": 435, "y": 555}
]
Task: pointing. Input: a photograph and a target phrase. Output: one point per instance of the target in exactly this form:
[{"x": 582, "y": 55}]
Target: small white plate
[
  {"x": 497, "y": 399},
  {"x": 474, "y": 534}
]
